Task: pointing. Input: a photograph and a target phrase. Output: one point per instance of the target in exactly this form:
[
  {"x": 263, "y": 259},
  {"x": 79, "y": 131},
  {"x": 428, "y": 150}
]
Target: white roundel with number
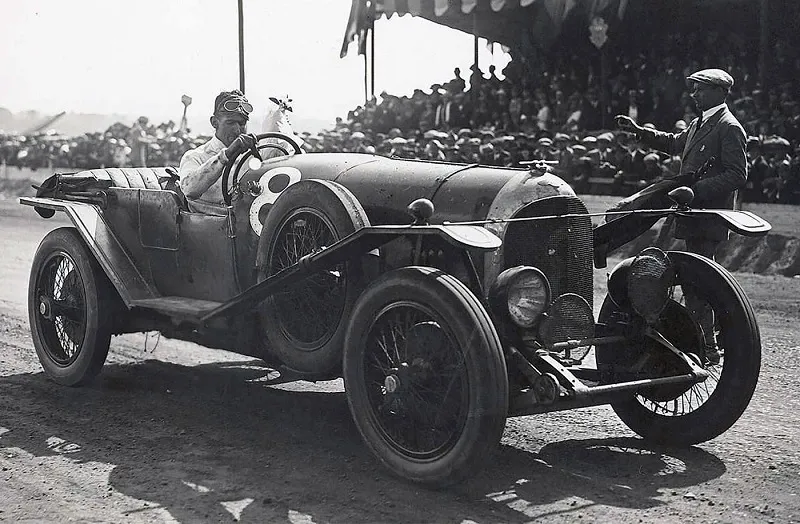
[{"x": 272, "y": 184}]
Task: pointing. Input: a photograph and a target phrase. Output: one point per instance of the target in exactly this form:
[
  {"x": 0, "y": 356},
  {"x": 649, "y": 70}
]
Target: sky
[{"x": 137, "y": 57}]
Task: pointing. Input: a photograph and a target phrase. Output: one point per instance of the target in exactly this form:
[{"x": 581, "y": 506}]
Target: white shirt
[
  {"x": 708, "y": 113},
  {"x": 204, "y": 160}
]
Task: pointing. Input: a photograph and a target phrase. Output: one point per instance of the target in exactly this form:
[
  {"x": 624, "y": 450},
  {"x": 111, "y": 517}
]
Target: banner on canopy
[{"x": 502, "y": 21}]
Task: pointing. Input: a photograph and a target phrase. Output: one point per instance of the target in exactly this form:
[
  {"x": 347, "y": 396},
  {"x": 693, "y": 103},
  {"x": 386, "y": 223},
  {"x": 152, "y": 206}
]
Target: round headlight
[
  {"x": 524, "y": 292},
  {"x": 649, "y": 280}
]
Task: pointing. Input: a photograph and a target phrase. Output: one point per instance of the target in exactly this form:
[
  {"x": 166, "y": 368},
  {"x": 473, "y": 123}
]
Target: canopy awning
[{"x": 513, "y": 23}]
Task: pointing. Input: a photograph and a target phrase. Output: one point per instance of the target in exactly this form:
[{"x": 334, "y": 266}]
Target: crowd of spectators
[
  {"x": 549, "y": 111},
  {"x": 553, "y": 110},
  {"x": 120, "y": 145}
]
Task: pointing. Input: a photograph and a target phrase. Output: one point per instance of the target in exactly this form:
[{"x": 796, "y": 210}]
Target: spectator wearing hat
[
  {"x": 201, "y": 168},
  {"x": 434, "y": 150},
  {"x": 653, "y": 171},
  {"x": 715, "y": 133}
]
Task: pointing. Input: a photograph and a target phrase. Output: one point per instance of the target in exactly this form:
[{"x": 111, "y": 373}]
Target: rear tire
[
  {"x": 425, "y": 376},
  {"x": 70, "y": 308},
  {"x": 305, "y": 325}
]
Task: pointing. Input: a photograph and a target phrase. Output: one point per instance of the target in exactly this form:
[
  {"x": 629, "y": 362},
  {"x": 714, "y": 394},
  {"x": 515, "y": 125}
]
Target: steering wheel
[{"x": 228, "y": 183}]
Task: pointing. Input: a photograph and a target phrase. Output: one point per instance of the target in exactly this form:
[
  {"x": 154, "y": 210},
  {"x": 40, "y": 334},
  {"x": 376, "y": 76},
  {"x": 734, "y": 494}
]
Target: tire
[
  {"x": 70, "y": 308},
  {"x": 305, "y": 326},
  {"x": 723, "y": 397},
  {"x": 443, "y": 327}
]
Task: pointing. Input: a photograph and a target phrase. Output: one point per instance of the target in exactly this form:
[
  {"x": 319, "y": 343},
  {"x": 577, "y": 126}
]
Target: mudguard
[
  {"x": 104, "y": 245},
  {"x": 616, "y": 233},
  {"x": 742, "y": 223}
]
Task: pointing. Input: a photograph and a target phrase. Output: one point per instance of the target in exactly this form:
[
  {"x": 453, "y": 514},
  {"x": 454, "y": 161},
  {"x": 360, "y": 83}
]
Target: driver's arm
[{"x": 197, "y": 176}]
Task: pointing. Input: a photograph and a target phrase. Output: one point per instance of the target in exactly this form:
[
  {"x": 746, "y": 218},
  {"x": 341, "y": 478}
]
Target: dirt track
[{"x": 174, "y": 432}]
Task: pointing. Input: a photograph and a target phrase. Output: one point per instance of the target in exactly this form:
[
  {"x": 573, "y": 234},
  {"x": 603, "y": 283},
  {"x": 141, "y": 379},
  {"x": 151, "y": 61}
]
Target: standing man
[
  {"x": 717, "y": 133},
  {"x": 137, "y": 139},
  {"x": 201, "y": 168}
]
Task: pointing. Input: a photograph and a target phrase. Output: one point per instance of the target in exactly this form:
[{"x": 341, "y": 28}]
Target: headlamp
[{"x": 522, "y": 293}]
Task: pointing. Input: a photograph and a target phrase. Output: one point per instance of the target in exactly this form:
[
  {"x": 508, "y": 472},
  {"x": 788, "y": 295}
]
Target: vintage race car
[{"x": 449, "y": 297}]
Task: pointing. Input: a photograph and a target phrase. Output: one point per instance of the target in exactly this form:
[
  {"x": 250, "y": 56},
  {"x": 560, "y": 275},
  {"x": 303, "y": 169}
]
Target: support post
[
  {"x": 241, "y": 46},
  {"x": 604, "y": 87},
  {"x": 366, "y": 76},
  {"x": 764, "y": 44},
  {"x": 372, "y": 59},
  {"x": 473, "y": 87}
]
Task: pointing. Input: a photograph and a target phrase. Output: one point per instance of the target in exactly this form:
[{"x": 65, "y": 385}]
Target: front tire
[
  {"x": 425, "y": 376},
  {"x": 70, "y": 305},
  {"x": 709, "y": 408}
]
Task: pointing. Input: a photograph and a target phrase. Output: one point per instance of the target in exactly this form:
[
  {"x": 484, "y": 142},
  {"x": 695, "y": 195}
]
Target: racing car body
[{"x": 447, "y": 296}]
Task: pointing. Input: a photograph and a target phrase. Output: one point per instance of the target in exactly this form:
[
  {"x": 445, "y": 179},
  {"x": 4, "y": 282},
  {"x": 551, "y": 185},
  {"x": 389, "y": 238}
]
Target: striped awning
[{"x": 502, "y": 21}]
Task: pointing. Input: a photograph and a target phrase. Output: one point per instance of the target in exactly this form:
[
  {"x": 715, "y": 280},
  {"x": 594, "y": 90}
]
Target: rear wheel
[
  {"x": 70, "y": 304},
  {"x": 681, "y": 415},
  {"x": 305, "y": 325},
  {"x": 425, "y": 376}
]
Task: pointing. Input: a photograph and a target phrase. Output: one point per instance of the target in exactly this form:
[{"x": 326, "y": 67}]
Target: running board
[{"x": 182, "y": 309}]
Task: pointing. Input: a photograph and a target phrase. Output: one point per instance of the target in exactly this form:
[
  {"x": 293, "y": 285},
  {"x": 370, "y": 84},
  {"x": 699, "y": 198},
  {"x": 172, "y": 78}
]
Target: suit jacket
[{"x": 720, "y": 136}]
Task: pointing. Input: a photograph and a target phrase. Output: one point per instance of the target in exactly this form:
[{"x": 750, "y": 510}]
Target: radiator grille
[{"x": 560, "y": 247}]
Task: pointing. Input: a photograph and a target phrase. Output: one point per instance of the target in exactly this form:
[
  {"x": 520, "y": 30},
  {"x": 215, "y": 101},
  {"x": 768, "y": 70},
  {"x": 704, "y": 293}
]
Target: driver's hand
[
  {"x": 626, "y": 123},
  {"x": 243, "y": 142}
]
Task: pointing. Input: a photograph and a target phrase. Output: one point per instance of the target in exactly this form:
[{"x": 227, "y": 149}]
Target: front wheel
[
  {"x": 70, "y": 304},
  {"x": 425, "y": 376},
  {"x": 688, "y": 416}
]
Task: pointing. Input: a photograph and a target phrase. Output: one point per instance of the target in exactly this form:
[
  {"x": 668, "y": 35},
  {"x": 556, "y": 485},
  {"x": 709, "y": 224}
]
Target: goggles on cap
[{"x": 236, "y": 105}]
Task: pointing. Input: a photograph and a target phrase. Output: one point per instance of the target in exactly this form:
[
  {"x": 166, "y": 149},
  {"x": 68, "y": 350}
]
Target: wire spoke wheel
[
  {"x": 416, "y": 379},
  {"x": 304, "y": 325},
  {"x": 61, "y": 308},
  {"x": 690, "y": 338},
  {"x": 425, "y": 376},
  {"x": 709, "y": 318},
  {"x": 309, "y": 312},
  {"x": 71, "y": 305}
]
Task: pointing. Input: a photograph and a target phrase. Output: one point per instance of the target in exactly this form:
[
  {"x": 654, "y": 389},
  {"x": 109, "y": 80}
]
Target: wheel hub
[
  {"x": 46, "y": 308},
  {"x": 391, "y": 383},
  {"x": 396, "y": 379}
]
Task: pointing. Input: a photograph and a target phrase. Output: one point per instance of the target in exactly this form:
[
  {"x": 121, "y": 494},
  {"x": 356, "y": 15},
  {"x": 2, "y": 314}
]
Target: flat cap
[{"x": 714, "y": 77}]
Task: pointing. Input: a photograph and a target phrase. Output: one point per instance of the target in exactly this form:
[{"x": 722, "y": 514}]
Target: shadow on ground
[{"x": 192, "y": 438}]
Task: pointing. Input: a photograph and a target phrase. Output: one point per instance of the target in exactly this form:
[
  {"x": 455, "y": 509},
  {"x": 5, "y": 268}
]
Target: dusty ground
[{"x": 174, "y": 432}]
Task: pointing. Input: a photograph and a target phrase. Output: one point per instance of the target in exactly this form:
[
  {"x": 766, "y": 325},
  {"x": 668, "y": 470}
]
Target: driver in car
[{"x": 201, "y": 168}]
